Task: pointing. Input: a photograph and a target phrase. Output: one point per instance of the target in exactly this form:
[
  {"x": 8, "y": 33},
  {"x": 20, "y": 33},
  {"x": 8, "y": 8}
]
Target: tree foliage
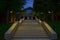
[
  {"x": 6, "y": 6},
  {"x": 11, "y": 5},
  {"x": 43, "y": 5},
  {"x": 16, "y": 4}
]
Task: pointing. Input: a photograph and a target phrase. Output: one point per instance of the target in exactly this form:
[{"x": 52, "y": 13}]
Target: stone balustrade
[
  {"x": 12, "y": 29},
  {"x": 51, "y": 33}
]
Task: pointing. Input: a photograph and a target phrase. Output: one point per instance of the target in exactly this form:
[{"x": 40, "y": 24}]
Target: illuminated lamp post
[
  {"x": 52, "y": 15},
  {"x": 11, "y": 16}
]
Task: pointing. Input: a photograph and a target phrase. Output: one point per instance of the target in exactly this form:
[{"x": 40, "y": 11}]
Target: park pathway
[{"x": 30, "y": 30}]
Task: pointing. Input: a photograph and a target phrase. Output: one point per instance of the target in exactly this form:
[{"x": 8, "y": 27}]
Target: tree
[
  {"x": 6, "y": 6},
  {"x": 44, "y": 6},
  {"x": 15, "y": 6}
]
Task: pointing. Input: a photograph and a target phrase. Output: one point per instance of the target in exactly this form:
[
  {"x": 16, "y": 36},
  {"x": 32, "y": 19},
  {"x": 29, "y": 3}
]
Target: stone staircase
[{"x": 30, "y": 30}]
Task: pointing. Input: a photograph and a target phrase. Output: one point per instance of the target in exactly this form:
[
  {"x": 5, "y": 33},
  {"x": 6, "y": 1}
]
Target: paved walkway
[{"x": 30, "y": 30}]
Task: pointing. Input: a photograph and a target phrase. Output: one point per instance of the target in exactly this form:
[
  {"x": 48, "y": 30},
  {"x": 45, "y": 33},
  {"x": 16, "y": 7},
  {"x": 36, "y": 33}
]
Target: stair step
[
  {"x": 30, "y": 30},
  {"x": 30, "y": 39}
]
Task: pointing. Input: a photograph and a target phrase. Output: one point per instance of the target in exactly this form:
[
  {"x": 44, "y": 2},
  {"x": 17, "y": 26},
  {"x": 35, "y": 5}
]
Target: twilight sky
[{"x": 29, "y": 3}]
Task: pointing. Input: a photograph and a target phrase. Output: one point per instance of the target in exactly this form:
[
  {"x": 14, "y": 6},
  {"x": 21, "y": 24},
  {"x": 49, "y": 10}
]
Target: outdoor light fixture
[
  {"x": 49, "y": 12},
  {"x": 11, "y": 11}
]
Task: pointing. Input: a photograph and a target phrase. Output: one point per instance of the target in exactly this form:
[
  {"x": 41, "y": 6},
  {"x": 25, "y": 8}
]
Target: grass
[
  {"x": 3, "y": 29},
  {"x": 56, "y": 26}
]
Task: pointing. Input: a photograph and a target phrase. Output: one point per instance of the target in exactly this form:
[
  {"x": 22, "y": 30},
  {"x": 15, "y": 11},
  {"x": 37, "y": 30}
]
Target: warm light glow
[
  {"x": 48, "y": 27},
  {"x": 40, "y": 21},
  {"x": 20, "y": 21},
  {"x": 11, "y": 28}
]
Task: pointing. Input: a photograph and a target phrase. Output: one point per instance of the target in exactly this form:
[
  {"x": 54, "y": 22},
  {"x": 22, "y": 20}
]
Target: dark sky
[{"x": 29, "y": 3}]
